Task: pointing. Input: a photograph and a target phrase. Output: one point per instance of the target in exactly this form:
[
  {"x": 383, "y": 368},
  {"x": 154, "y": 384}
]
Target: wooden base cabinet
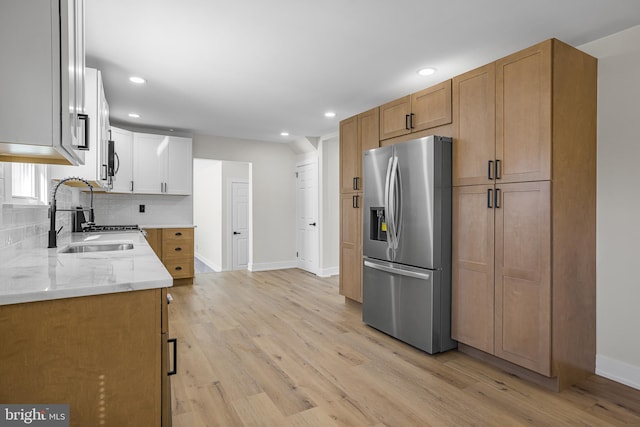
[
  {"x": 524, "y": 215},
  {"x": 100, "y": 354},
  {"x": 175, "y": 248}
]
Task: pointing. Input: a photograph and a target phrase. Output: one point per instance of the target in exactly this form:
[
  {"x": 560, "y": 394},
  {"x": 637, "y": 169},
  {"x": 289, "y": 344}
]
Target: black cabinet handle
[
  {"x": 411, "y": 121},
  {"x": 406, "y": 122},
  {"x": 132, "y": 186},
  {"x": 498, "y": 170},
  {"x": 489, "y": 168},
  {"x": 489, "y": 198},
  {"x": 355, "y": 202},
  {"x": 178, "y": 249},
  {"x": 313, "y": 224},
  {"x": 174, "y": 341},
  {"x": 236, "y": 232},
  {"x": 85, "y": 143},
  {"x": 178, "y": 268},
  {"x": 356, "y": 183},
  {"x": 178, "y": 233},
  {"x": 497, "y": 198}
]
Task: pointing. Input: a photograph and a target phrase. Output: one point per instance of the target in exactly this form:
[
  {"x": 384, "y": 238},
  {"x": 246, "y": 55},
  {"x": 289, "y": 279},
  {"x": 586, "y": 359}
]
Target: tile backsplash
[
  {"x": 124, "y": 209},
  {"x": 26, "y": 227}
]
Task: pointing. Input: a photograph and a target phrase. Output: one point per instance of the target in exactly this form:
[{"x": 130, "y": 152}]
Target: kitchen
[{"x": 618, "y": 356}]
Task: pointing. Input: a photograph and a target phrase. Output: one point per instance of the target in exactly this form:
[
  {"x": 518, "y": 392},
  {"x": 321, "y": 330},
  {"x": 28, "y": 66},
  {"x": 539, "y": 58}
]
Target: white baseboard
[
  {"x": 280, "y": 265},
  {"x": 618, "y": 371},
  {"x": 215, "y": 267},
  {"x": 328, "y": 272}
]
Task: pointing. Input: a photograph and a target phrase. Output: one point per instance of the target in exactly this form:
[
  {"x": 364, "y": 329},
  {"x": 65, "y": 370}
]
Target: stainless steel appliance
[{"x": 407, "y": 242}]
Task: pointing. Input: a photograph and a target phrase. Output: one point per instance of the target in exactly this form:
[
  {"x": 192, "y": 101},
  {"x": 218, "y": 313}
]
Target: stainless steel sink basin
[{"x": 96, "y": 247}]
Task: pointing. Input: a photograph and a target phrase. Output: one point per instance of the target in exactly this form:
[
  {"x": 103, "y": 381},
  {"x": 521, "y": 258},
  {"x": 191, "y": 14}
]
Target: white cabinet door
[
  {"x": 122, "y": 182},
  {"x": 98, "y": 111},
  {"x": 179, "y": 172},
  {"x": 149, "y": 157},
  {"x": 41, "y": 80}
]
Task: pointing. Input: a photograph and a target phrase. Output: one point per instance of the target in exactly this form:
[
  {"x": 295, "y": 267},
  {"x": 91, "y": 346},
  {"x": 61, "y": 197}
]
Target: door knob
[{"x": 313, "y": 223}]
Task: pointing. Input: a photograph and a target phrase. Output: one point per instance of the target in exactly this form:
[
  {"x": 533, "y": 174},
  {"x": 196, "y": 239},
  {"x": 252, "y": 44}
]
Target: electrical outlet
[{"x": 142, "y": 208}]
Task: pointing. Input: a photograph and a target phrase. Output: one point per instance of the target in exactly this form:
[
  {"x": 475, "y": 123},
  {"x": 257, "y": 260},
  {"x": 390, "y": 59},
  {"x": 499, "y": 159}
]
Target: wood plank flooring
[{"x": 282, "y": 348}]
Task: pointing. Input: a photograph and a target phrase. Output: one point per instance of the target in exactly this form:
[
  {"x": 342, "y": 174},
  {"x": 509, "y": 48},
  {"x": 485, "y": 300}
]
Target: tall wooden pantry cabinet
[
  {"x": 357, "y": 134},
  {"x": 524, "y": 207}
]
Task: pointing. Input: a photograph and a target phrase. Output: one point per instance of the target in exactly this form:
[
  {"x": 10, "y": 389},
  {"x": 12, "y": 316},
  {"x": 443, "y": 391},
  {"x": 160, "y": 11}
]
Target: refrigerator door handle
[
  {"x": 397, "y": 201},
  {"x": 387, "y": 205},
  {"x": 399, "y": 271}
]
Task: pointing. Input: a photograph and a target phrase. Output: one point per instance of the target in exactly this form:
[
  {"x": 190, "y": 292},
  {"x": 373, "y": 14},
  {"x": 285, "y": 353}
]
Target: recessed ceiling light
[
  {"x": 329, "y": 114},
  {"x": 134, "y": 115},
  {"x": 138, "y": 80},
  {"x": 426, "y": 71},
  {"x": 284, "y": 133}
]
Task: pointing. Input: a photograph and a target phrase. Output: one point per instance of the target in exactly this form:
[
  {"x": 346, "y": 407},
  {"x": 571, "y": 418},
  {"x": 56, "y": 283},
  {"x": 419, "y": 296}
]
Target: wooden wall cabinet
[
  {"x": 103, "y": 355},
  {"x": 422, "y": 110},
  {"x": 175, "y": 248},
  {"x": 357, "y": 134},
  {"x": 524, "y": 213}
]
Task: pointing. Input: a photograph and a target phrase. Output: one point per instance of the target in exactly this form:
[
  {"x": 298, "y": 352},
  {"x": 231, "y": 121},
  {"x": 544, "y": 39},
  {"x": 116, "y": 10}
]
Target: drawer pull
[
  {"x": 178, "y": 249},
  {"x": 178, "y": 233},
  {"x": 174, "y": 341},
  {"x": 178, "y": 268}
]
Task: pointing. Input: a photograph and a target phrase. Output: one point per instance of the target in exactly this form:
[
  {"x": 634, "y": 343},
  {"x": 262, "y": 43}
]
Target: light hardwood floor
[{"x": 282, "y": 348}]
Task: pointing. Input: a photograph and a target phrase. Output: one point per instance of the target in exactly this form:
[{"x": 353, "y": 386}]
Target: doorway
[{"x": 213, "y": 214}]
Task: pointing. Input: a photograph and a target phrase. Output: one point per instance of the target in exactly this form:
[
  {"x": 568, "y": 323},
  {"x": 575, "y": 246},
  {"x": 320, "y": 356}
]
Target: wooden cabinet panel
[
  {"x": 351, "y": 246},
  {"x": 154, "y": 238},
  {"x": 368, "y": 131},
  {"x": 473, "y": 267},
  {"x": 394, "y": 118},
  {"x": 523, "y": 275},
  {"x": 349, "y": 155},
  {"x": 100, "y": 354},
  {"x": 523, "y": 114},
  {"x": 431, "y": 107},
  {"x": 474, "y": 125}
]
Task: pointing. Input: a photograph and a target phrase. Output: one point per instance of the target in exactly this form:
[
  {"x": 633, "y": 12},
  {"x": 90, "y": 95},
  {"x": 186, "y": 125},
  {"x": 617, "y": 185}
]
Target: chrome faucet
[{"x": 53, "y": 233}]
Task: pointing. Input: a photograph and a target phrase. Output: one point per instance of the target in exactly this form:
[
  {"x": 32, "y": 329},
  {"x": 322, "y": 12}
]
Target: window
[{"x": 26, "y": 184}]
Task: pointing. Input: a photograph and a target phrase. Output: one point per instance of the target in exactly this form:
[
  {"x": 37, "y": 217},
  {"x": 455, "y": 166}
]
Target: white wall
[
  {"x": 618, "y": 212},
  {"x": 272, "y": 190},
  {"x": 329, "y": 191},
  {"x": 207, "y": 211}
]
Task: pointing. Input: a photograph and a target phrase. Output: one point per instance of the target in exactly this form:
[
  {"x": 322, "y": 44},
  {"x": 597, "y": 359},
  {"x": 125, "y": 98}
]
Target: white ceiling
[{"x": 253, "y": 68}]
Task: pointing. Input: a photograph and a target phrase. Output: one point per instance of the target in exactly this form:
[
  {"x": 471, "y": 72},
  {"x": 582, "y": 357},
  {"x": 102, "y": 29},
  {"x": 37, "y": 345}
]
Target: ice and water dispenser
[{"x": 378, "y": 224}]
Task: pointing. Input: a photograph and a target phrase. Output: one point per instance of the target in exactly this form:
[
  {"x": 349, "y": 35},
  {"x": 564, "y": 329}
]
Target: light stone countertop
[
  {"x": 45, "y": 274},
  {"x": 167, "y": 226}
]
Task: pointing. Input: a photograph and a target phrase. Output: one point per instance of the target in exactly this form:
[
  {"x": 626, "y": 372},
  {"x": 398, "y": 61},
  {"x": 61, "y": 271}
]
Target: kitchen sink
[{"x": 96, "y": 247}]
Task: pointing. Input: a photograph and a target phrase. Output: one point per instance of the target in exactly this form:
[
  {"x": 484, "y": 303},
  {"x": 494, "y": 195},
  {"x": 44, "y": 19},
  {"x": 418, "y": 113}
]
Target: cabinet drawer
[
  {"x": 173, "y": 250},
  {"x": 180, "y": 268},
  {"x": 177, "y": 235}
]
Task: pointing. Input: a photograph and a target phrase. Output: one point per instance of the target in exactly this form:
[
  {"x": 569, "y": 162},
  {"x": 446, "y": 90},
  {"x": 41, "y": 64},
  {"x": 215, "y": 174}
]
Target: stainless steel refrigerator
[{"x": 407, "y": 242}]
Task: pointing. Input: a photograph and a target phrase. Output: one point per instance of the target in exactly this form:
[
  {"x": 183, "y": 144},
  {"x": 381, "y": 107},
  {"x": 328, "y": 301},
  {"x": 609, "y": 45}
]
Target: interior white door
[
  {"x": 307, "y": 216},
  {"x": 239, "y": 225}
]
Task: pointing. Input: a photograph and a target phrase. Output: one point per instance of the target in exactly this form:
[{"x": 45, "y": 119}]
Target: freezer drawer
[{"x": 405, "y": 302}]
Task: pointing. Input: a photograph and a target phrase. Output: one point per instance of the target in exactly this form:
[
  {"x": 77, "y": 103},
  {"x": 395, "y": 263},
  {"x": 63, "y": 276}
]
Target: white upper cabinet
[
  {"x": 122, "y": 181},
  {"x": 42, "y": 81},
  {"x": 95, "y": 164},
  {"x": 162, "y": 164}
]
